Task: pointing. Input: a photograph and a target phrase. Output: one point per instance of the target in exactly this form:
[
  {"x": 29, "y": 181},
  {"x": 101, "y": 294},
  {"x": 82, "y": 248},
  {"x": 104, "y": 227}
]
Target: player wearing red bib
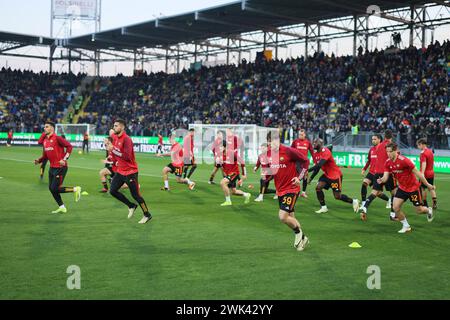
[
  {"x": 405, "y": 173},
  {"x": 57, "y": 151},
  {"x": 371, "y": 163},
  {"x": 288, "y": 166},
  {"x": 176, "y": 166},
  {"x": 263, "y": 162},
  {"x": 331, "y": 178},
  {"x": 10, "y": 138},
  {"x": 377, "y": 189},
  {"x": 303, "y": 145},
  {"x": 231, "y": 163},
  {"x": 427, "y": 169}
]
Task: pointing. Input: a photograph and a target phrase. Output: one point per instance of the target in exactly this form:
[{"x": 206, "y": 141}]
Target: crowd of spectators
[
  {"x": 29, "y": 99},
  {"x": 403, "y": 90}
]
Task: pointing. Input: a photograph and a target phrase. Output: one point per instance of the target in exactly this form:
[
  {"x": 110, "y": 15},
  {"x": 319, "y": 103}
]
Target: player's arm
[
  {"x": 42, "y": 158},
  {"x": 315, "y": 169},
  {"x": 258, "y": 164},
  {"x": 384, "y": 178},
  {"x": 367, "y": 164},
  {"x": 301, "y": 164},
  {"x": 423, "y": 166},
  {"x": 311, "y": 150},
  {"x": 65, "y": 144},
  {"x": 42, "y": 138},
  {"x": 241, "y": 163},
  {"x": 423, "y": 179}
]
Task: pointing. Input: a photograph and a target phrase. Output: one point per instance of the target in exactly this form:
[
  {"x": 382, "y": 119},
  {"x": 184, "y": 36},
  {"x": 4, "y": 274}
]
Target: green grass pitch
[{"x": 195, "y": 249}]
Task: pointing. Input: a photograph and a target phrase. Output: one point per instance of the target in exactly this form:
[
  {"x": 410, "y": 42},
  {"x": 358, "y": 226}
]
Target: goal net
[
  {"x": 249, "y": 135},
  {"x": 75, "y": 132}
]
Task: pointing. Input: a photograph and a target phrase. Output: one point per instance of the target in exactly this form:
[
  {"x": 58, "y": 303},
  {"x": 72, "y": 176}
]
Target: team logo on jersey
[{"x": 281, "y": 158}]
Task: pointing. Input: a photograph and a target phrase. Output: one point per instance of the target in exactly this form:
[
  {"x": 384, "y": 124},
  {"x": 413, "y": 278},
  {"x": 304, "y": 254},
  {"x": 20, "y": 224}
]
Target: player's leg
[
  {"x": 397, "y": 203},
  {"x": 237, "y": 192},
  {"x": 286, "y": 215},
  {"x": 116, "y": 183},
  {"x": 304, "y": 186},
  {"x": 53, "y": 185},
  {"x": 262, "y": 189},
  {"x": 132, "y": 182},
  {"x": 165, "y": 175},
  {"x": 366, "y": 182},
  {"x": 433, "y": 193},
  {"x": 103, "y": 178},
  {"x": 213, "y": 174},
  {"x": 377, "y": 190},
  {"x": 76, "y": 190},
  {"x": 193, "y": 168},
  {"x": 322, "y": 184},
  {"x": 42, "y": 168},
  {"x": 226, "y": 184}
]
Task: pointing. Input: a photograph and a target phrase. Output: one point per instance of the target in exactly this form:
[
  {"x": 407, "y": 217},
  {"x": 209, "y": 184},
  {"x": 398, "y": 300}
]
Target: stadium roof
[
  {"x": 226, "y": 21},
  {"x": 25, "y": 39}
]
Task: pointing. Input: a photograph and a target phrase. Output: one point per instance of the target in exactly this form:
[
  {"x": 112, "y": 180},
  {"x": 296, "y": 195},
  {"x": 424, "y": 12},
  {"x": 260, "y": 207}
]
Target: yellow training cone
[{"x": 354, "y": 245}]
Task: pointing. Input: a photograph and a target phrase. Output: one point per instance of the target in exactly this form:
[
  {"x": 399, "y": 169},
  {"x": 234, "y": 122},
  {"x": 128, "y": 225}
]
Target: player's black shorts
[
  {"x": 287, "y": 202},
  {"x": 177, "y": 171},
  {"x": 218, "y": 165},
  {"x": 8, "y": 141},
  {"x": 371, "y": 177},
  {"x": 56, "y": 176},
  {"x": 430, "y": 181},
  {"x": 334, "y": 184},
  {"x": 389, "y": 185},
  {"x": 189, "y": 161},
  {"x": 415, "y": 197},
  {"x": 233, "y": 179}
]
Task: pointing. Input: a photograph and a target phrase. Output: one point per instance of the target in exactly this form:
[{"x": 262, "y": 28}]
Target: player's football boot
[
  {"x": 247, "y": 198},
  {"x": 405, "y": 229},
  {"x": 259, "y": 198},
  {"x": 191, "y": 186},
  {"x": 355, "y": 205},
  {"x": 60, "y": 210},
  {"x": 303, "y": 243},
  {"x": 77, "y": 193},
  {"x": 131, "y": 211},
  {"x": 145, "y": 219},
  {"x": 165, "y": 189},
  {"x": 393, "y": 217},
  {"x": 430, "y": 214},
  {"x": 275, "y": 197},
  {"x": 363, "y": 213},
  {"x": 388, "y": 204},
  {"x": 322, "y": 210},
  {"x": 211, "y": 182},
  {"x": 303, "y": 195},
  {"x": 226, "y": 203}
]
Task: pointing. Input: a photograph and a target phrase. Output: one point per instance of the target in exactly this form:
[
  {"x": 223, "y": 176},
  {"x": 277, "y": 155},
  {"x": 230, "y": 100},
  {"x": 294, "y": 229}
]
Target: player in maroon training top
[
  {"x": 377, "y": 189},
  {"x": 427, "y": 169},
  {"x": 176, "y": 166},
  {"x": 231, "y": 163},
  {"x": 288, "y": 166},
  {"x": 10, "y": 138},
  {"x": 57, "y": 151},
  {"x": 263, "y": 162},
  {"x": 371, "y": 163},
  {"x": 216, "y": 149},
  {"x": 331, "y": 178},
  {"x": 188, "y": 153},
  {"x": 126, "y": 171},
  {"x": 303, "y": 145},
  {"x": 405, "y": 173}
]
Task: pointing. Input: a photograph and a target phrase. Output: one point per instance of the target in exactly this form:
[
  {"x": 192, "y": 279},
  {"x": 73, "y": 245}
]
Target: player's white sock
[
  {"x": 166, "y": 184},
  {"x": 188, "y": 181},
  {"x": 63, "y": 206},
  {"x": 323, "y": 207},
  {"x": 228, "y": 199},
  {"x": 405, "y": 223},
  {"x": 246, "y": 194}
]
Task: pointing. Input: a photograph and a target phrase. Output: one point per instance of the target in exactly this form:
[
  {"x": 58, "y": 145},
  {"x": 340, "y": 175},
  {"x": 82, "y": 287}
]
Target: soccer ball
[{"x": 79, "y": 152}]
